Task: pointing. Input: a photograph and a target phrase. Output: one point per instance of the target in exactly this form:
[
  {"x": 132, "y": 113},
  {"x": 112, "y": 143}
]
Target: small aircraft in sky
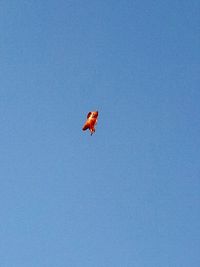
[{"x": 91, "y": 121}]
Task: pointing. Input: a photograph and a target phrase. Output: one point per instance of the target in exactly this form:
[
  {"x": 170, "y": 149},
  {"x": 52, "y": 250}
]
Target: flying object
[{"x": 91, "y": 121}]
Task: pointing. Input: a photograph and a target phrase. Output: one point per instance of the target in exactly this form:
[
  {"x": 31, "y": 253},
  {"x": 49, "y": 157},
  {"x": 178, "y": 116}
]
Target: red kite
[{"x": 91, "y": 121}]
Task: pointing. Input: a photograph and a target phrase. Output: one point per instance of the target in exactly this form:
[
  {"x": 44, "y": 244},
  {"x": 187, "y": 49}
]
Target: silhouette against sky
[{"x": 129, "y": 194}]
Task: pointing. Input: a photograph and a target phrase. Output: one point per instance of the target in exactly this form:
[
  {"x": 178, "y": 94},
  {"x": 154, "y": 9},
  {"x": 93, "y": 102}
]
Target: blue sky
[{"x": 129, "y": 195}]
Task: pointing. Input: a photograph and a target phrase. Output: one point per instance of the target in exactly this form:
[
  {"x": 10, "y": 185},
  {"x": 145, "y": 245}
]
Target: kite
[{"x": 91, "y": 121}]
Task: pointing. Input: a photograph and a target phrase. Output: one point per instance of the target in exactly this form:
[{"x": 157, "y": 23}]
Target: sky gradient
[{"x": 129, "y": 195}]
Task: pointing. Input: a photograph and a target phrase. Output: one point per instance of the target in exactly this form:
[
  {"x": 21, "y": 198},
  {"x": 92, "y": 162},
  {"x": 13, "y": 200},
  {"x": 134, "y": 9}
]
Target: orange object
[{"x": 91, "y": 121}]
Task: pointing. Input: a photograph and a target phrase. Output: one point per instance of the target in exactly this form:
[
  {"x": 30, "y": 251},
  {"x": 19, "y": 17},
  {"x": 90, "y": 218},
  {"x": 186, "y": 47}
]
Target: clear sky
[{"x": 129, "y": 196}]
